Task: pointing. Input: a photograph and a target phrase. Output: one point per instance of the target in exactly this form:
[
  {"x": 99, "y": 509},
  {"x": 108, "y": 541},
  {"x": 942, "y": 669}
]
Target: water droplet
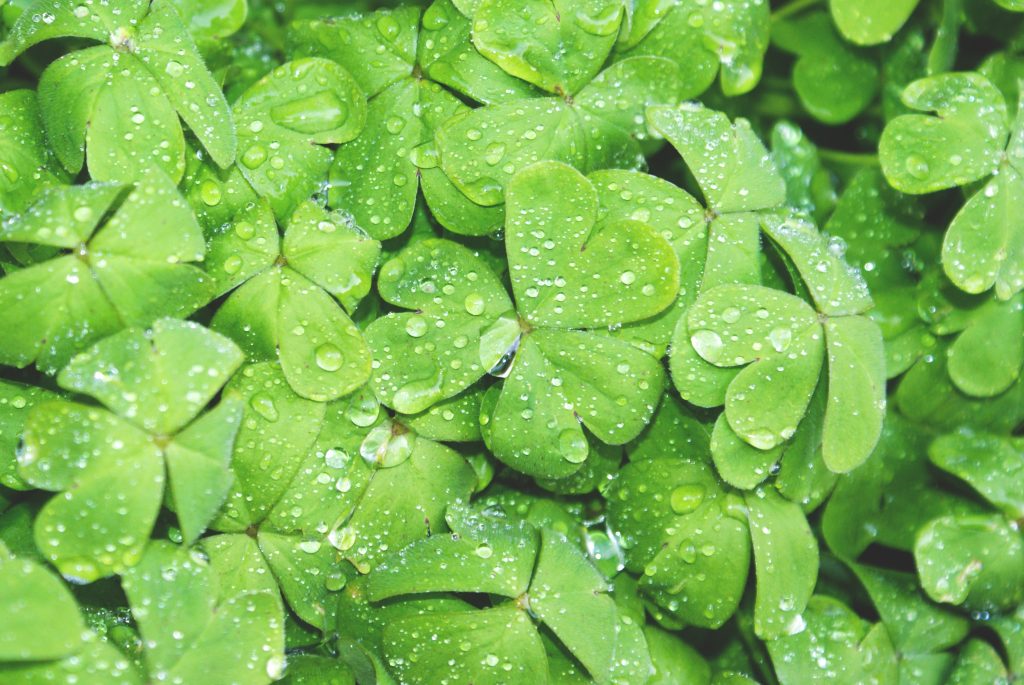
[
  {"x": 254, "y": 156},
  {"x": 780, "y": 338},
  {"x": 310, "y": 546},
  {"x": 263, "y": 404},
  {"x": 394, "y": 125},
  {"x": 627, "y": 278},
  {"x": 329, "y": 357},
  {"x": 731, "y": 315},
  {"x": 494, "y": 153},
  {"x": 416, "y": 326},
  {"x": 209, "y": 192},
  {"x": 708, "y": 345},
  {"x": 686, "y": 498},
  {"x": 475, "y": 304},
  {"x": 474, "y": 134},
  {"x": 83, "y": 214},
  {"x": 336, "y": 458},
  {"x": 573, "y": 446},
  {"x": 232, "y": 264},
  {"x": 174, "y": 69},
  {"x": 484, "y": 551},
  {"x": 245, "y": 230},
  {"x": 917, "y": 167}
]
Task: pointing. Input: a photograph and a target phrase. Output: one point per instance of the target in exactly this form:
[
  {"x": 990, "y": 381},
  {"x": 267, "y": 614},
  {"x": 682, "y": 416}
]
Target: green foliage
[{"x": 406, "y": 342}]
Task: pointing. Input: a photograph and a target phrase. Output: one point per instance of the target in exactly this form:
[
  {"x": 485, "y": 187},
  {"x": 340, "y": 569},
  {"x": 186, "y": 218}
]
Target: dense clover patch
[{"x": 511, "y": 342}]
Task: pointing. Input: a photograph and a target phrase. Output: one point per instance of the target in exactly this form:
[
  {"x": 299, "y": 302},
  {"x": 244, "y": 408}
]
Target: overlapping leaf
[
  {"x": 118, "y": 105},
  {"x": 112, "y": 465}
]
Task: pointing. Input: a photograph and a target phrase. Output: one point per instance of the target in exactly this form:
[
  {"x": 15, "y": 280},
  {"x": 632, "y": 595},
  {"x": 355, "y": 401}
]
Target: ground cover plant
[{"x": 501, "y": 342}]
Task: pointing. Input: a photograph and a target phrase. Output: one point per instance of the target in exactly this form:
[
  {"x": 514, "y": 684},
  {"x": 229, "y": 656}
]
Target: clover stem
[
  {"x": 851, "y": 158},
  {"x": 793, "y": 8}
]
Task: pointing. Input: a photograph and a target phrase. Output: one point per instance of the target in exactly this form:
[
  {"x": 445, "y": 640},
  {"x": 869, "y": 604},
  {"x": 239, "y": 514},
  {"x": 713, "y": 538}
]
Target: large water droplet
[{"x": 329, "y": 357}]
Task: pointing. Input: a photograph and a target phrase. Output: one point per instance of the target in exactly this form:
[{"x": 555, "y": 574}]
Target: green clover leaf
[
  {"x": 195, "y": 626},
  {"x": 295, "y": 294},
  {"x": 27, "y": 166},
  {"x": 597, "y": 128},
  {"x": 858, "y": 650},
  {"x": 45, "y": 637},
  {"x": 690, "y": 538},
  {"x": 122, "y": 258},
  {"x": 284, "y": 121},
  {"x": 549, "y": 577},
  {"x": 155, "y": 384},
  {"x": 869, "y": 22},
  {"x": 16, "y": 401},
  {"x": 119, "y": 103},
  {"x": 705, "y": 40},
  {"x": 834, "y": 82},
  {"x": 970, "y": 140},
  {"x": 315, "y": 485},
  {"x": 376, "y": 176}
]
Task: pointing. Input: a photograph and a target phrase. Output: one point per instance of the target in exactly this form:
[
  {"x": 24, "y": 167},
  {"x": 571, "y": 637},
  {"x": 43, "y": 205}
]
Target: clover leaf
[
  {"x": 376, "y": 176},
  {"x": 970, "y": 140},
  {"x": 293, "y": 295},
  {"x": 315, "y": 485},
  {"x": 112, "y": 464},
  {"x": 834, "y": 82},
  {"x": 45, "y": 636},
  {"x": 26, "y": 164},
  {"x": 16, "y": 402},
  {"x": 690, "y": 537},
  {"x": 704, "y": 40},
  {"x": 975, "y": 560},
  {"x": 869, "y": 22},
  {"x": 195, "y": 625},
  {"x": 119, "y": 103},
  {"x": 543, "y": 577},
  {"x": 736, "y": 322},
  {"x": 284, "y": 120},
  {"x": 556, "y": 295},
  {"x": 858, "y": 650},
  {"x": 120, "y": 257},
  {"x": 598, "y": 127}
]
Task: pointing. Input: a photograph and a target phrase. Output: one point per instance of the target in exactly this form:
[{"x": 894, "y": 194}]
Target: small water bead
[
  {"x": 254, "y": 156},
  {"x": 335, "y": 582},
  {"x": 780, "y": 338},
  {"x": 329, "y": 357},
  {"x": 687, "y": 551},
  {"x": 731, "y": 315},
  {"x": 573, "y": 446},
  {"x": 627, "y": 277},
  {"x": 342, "y": 539},
  {"x": 209, "y": 192},
  {"x": 686, "y": 498},
  {"x": 336, "y": 458},
  {"x": 83, "y": 214},
  {"x": 708, "y": 345},
  {"x": 310, "y": 546},
  {"x": 388, "y": 27},
  {"x": 484, "y": 551},
  {"x": 475, "y": 304},
  {"x": 256, "y": 126},
  {"x": 394, "y": 125},
  {"x": 494, "y": 153},
  {"x": 174, "y": 69},
  {"x": 917, "y": 167},
  {"x": 232, "y": 264},
  {"x": 416, "y": 326},
  {"x": 474, "y": 134},
  {"x": 263, "y": 404}
]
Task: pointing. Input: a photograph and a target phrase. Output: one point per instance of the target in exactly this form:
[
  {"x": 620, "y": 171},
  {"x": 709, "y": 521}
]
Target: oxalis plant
[{"x": 480, "y": 342}]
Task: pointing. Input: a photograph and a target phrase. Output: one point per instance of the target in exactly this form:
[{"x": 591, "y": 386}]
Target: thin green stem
[
  {"x": 851, "y": 158},
  {"x": 793, "y": 8}
]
